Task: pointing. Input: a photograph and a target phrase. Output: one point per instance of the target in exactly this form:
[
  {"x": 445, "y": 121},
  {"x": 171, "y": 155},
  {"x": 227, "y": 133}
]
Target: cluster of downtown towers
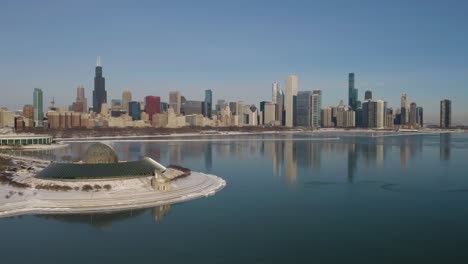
[{"x": 290, "y": 108}]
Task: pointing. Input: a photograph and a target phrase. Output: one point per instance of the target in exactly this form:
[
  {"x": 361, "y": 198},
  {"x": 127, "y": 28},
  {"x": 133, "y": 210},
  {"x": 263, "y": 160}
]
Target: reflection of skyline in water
[
  {"x": 289, "y": 159},
  {"x": 104, "y": 221},
  {"x": 286, "y": 154},
  {"x": 445, "y": 144}
]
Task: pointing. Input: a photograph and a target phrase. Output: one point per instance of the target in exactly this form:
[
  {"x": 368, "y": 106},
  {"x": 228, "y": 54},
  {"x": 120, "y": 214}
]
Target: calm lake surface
[{"x": 289, "y": 199}]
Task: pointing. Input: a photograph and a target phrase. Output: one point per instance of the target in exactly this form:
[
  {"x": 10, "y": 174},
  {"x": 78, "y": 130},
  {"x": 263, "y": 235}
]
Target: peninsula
[{"x": 98, "y": 183}]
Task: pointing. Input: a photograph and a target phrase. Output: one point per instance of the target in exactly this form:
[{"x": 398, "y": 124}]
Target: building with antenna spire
[{"x": 99, "y": 93}]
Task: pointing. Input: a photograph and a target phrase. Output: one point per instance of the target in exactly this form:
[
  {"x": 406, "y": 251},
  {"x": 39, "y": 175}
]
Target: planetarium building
[{"x": 101, "y": 162}]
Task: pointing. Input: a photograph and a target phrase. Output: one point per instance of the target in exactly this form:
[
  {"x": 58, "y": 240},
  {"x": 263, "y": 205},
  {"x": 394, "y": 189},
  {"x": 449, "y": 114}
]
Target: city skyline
[
  {"x": 236, "y": 58},
  {"x": 409, "y": 115}
]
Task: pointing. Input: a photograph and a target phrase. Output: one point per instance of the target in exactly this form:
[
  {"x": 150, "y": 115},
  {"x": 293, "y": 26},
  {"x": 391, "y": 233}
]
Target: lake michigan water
[{"x": 302, "y": 198}]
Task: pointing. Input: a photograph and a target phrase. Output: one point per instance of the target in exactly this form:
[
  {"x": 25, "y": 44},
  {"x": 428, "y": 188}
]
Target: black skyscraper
[
  {"x": 99, "y": 93},
  {"x": 352, "y": 93}
]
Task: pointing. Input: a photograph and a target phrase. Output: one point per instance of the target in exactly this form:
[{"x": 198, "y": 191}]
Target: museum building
[{"x": 101, "y": 162}]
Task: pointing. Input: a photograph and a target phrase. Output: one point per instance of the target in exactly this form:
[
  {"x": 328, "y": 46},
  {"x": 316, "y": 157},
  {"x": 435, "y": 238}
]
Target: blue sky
[{"x": 237, "y": 49}]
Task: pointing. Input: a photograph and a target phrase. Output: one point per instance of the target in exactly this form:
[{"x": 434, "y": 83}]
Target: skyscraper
[
  {"x": 192, "y": 107},
  {"x": 420, "y": 116},
  {"x": 28, "y": 111},
  {"x": 405, "y": 109},
  {"x": 240, "y": 113},
  {"x": 413, "y": 116},
  {"x": 279, "y": 107},
  {"x": 368, "y": 95},
  {"x": 233, "y": 108},
  {"x": 99, "y": 93},
  {"x": 134, "y": 110},
  {"x": 164, "y": 107},
  {"x": 445, "y": 113},
  {"x": 316, "y": 108},
  {"x": 152, "y": 106},
  {"x": 207, "y": 103},
  {"x": 327, "y": 117},
  {"x": 269, "y": 113},
  {"x": 352, "y": 93},
  {"x": 262, "y": 110},
  {"x": 126, "y": 98},
  {"x": 274, "y": 91},
  {"x": 175, "y": 101},
  {"x": 304, "y": 108},
  {"x": 291, "y": 93},
  {"x": 38, "y": 113},
  {"x": 81, "y": 99},
  {"x": 379, "y": 114},
  {"x": 221, "y": 103},
  {"x": 373, "y": 114}
]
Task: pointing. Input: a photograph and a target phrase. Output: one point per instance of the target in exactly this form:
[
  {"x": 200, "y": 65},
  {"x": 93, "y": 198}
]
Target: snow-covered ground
[
  {"x": 322, "y": 131},
  {"x": 123, "y": 194}
]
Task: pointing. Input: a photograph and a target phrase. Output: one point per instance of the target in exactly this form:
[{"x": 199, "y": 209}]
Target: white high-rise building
[
  {"x": 269, "y": 114},
  {"x": 380, "y": 117},
  {"x": 274, "y": 91},
  {"x": 291, "y": 91}
]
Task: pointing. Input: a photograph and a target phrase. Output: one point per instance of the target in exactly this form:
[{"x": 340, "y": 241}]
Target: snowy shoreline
[
  {"x": 21, "y": 192},
  {"x": 169, "y": 137}
]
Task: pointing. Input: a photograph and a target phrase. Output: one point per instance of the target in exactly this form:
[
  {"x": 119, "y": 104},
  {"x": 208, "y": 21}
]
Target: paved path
[{"x": 197, "y": 185}]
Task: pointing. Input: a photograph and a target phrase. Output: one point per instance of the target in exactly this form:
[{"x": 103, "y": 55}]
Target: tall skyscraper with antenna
[{"x": 99, "y": 93}]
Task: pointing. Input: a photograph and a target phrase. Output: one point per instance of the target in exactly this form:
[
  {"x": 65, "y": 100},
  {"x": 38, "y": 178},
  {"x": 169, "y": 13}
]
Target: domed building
[
  {"x": 100, "y": 162},
  {"x": 100, "y": 153}
]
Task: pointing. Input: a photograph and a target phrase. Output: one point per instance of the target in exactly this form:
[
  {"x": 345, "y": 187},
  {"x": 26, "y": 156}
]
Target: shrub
[
  {"x": 86, "y": 188},
  {"x": 54, "y": 187},
  {"x": 7, "y": 180},
  {"x": 108, "y": 187}
]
